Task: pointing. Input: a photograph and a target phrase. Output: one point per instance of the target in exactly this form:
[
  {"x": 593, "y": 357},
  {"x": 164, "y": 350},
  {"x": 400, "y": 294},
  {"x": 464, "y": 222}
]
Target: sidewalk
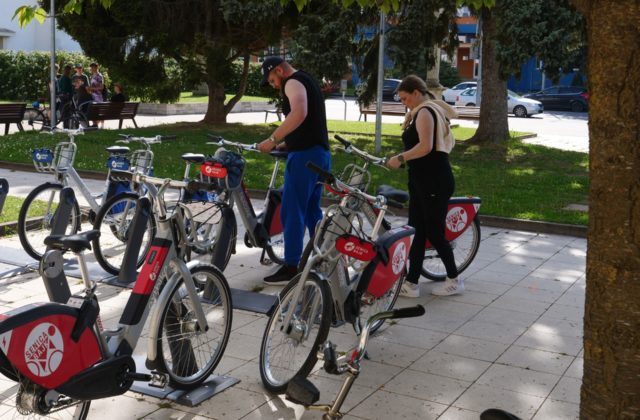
[{"x": 513, "y": 340}]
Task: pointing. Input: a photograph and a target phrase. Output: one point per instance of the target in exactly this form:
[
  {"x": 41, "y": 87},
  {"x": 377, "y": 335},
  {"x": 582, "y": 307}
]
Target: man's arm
[{"x": 297, "y": 95}]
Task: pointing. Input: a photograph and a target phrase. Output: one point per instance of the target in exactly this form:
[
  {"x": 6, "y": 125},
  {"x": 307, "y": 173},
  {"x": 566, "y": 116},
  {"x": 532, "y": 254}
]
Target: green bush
[
  {"x": 448, "y": 74},
  {"x": 253, "y": 81},
  {"x": 24, "y": 76}
]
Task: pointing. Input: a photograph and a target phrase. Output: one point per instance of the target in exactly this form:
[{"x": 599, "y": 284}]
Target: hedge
[{"x": 24, "y": 76}]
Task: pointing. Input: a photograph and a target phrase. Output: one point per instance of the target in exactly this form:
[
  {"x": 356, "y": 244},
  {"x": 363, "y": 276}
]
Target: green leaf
[{"x": 40, "y": 15}]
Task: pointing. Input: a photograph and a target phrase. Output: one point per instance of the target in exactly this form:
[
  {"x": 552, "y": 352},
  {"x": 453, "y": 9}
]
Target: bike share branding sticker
[
  {"x": 43, "y": 349},
  {"x": 213, "y": 170},
  {"x": 456, "y": 219},
  {"x": 42, "y": 155},
  {"x": 353, "y": 247},
  {"x": 399, "y": 259}
]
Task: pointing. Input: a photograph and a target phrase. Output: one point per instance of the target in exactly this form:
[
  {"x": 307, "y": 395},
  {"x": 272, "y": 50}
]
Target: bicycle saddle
[
  {"x": 393, "y": 193},
  {"x": 117, "y": 150},
  {"x": 279, "y": 154},
  {"x": 193, "y": 157},
  {"x": 74, "y": 243}
]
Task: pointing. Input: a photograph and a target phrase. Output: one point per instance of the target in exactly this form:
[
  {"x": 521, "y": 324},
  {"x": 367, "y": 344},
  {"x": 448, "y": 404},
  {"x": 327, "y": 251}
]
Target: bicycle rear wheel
[
  {"x": 37, "y": 217},
  {"x": 465, "y": 247},
  {"x": 287, "y": 351},
  {"x": 35, "y": 119},
  {"x": 114, "y": 223},
  {"x": 370, "y": 305},
  {"x": 187, "y": 353}
]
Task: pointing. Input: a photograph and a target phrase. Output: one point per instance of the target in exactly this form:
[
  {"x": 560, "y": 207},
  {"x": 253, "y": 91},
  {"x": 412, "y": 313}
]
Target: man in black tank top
[{"x": 304, "y": 132}]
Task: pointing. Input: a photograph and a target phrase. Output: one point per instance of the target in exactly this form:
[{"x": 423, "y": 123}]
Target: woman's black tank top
[{"x": 432, "y": 171}]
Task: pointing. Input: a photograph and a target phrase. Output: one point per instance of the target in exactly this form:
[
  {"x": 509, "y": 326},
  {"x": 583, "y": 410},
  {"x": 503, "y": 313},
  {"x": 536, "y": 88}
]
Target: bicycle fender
[{"x": 156, "y": 315}]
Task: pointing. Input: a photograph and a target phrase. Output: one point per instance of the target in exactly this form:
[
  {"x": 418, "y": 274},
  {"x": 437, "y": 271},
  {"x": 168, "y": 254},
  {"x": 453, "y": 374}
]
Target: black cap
[{"x": 269, "y": 64}]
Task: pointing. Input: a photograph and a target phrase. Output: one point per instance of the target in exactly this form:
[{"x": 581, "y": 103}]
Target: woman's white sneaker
[
  {"x": 410, "y": 290},
  {"x": 450, "y": 287}
]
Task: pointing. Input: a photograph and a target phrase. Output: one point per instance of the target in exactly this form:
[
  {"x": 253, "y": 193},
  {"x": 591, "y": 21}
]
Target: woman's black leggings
[{"x": 427, "y": 214}]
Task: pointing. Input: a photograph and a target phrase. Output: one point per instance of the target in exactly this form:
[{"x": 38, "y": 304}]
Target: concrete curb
[{"x": 493, "y": 221}]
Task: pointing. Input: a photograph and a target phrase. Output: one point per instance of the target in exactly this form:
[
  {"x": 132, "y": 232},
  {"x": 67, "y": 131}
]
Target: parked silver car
[
  {"x": 449, "y": 95},
  {"x": 516, "y": 104}
]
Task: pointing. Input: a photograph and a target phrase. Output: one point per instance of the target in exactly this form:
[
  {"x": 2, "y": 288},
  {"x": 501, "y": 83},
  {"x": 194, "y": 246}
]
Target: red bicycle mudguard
[
  {"x": 460, "y": 215},
  {"x": 36, "y": 340},
  {"x": 390, "y": 262}
]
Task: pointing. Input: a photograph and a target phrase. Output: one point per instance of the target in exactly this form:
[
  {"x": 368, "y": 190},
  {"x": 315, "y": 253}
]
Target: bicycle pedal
[
  {"x": 158, "y": 379},
  {"x": 301, "y": 391},
  {"x": 266, "y": 261}
]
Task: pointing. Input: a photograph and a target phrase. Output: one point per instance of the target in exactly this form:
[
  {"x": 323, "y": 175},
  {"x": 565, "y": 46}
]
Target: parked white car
[
  {"x": 516, "y": 104},
  {"x": 449, "y": 95}
]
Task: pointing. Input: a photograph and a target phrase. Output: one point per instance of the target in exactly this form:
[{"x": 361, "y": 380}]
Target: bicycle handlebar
[
  {"x": 350, "y": 148},
  {"x": 219, "y": 141},
  {"x": 127, "y": 138},
  {"x": 329, "y": 178}
]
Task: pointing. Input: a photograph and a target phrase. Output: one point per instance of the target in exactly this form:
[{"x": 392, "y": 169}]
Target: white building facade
[{"x": 33, "y": 37}]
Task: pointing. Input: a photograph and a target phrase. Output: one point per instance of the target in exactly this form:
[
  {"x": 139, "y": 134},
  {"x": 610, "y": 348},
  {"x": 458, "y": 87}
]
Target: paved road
[{"x": 563, "y": 130}]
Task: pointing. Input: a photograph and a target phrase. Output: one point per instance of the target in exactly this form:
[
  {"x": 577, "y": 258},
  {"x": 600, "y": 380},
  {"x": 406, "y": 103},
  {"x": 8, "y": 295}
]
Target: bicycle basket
[
  {"x": 142, "y": 161},
  {"x": 64, "y": 155},
  {"x": 227, "y": 168},
  {"x": 43, "y": 160}
]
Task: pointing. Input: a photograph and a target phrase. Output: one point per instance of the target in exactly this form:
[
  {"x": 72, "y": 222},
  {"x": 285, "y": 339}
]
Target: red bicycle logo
[
  {"x": 43, "y": 349},
  {"x": 457, "y": 219},
  {"x": 213, "y": 170}
]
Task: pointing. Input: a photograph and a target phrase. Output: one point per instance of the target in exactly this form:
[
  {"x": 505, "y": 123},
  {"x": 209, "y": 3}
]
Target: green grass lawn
[
  {"x": 10, "y": 209},
  {"x": 514, "y": 179}
]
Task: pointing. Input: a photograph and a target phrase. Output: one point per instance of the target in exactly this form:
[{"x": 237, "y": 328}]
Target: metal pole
[
  {"x": 479, "y": 88},
  {"x": 52, "y": 15},
  {"x": 380, "y": 84}
]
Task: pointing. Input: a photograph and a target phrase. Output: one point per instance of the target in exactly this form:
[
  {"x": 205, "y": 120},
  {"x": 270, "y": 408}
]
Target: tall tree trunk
[
  {"x": 215, "y": 111},
  {"x": 611, "y": 382},
  {"x": 493, "y": 126}
]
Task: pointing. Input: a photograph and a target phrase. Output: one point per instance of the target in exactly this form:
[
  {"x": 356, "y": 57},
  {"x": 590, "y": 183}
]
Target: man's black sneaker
[{"x": 282, "y": 276}]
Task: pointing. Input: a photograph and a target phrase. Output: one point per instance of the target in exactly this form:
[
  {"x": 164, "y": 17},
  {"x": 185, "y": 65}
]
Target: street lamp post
[
  {"x": 52, "y": 15},
  {"x": 380, "y": 85}
]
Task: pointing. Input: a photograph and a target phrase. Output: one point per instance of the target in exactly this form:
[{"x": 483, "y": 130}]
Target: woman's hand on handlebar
[{"x": 393, "y": 162}]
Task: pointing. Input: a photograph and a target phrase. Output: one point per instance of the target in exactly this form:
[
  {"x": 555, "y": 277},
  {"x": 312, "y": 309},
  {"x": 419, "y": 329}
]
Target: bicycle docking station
[{"x": 57, "y": 286}]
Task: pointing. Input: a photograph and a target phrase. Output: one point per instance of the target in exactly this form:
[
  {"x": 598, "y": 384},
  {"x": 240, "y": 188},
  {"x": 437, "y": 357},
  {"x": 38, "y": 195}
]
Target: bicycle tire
[
  {"x": 77, "y": 119},
  {"x": 177, "y": 316},
  {"x": 275, "y": 249},
  {"x": 301, "y": 356},
  {"x": 465, "y": 247},
  {"x": 35, "y": 119},
  {"x": 113, "y": 220},
  {"x": 34, "y": 224}
]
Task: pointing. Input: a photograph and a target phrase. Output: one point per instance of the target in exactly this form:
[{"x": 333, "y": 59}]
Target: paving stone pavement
[{"x": 512, "y": 340}]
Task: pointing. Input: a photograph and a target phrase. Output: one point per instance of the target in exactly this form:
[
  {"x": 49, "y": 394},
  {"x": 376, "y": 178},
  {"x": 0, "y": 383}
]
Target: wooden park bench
[
  {"x": 468, "y": 112},
  {"x": 12, "y": 114},
  {"x": 265, "y": 107},
  {"x": 102, "y": 111},
  {"x": 388, "y": 108}
]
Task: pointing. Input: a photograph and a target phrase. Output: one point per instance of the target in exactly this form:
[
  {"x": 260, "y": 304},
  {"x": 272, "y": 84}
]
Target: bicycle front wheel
[
  {"x": 290, "y": 350},
  {"x": 465, "y": 247},
  {"x": 114, "y": 221},
  {"x": 187, "y": 353},
  {"x": 37, "y": 217}
]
